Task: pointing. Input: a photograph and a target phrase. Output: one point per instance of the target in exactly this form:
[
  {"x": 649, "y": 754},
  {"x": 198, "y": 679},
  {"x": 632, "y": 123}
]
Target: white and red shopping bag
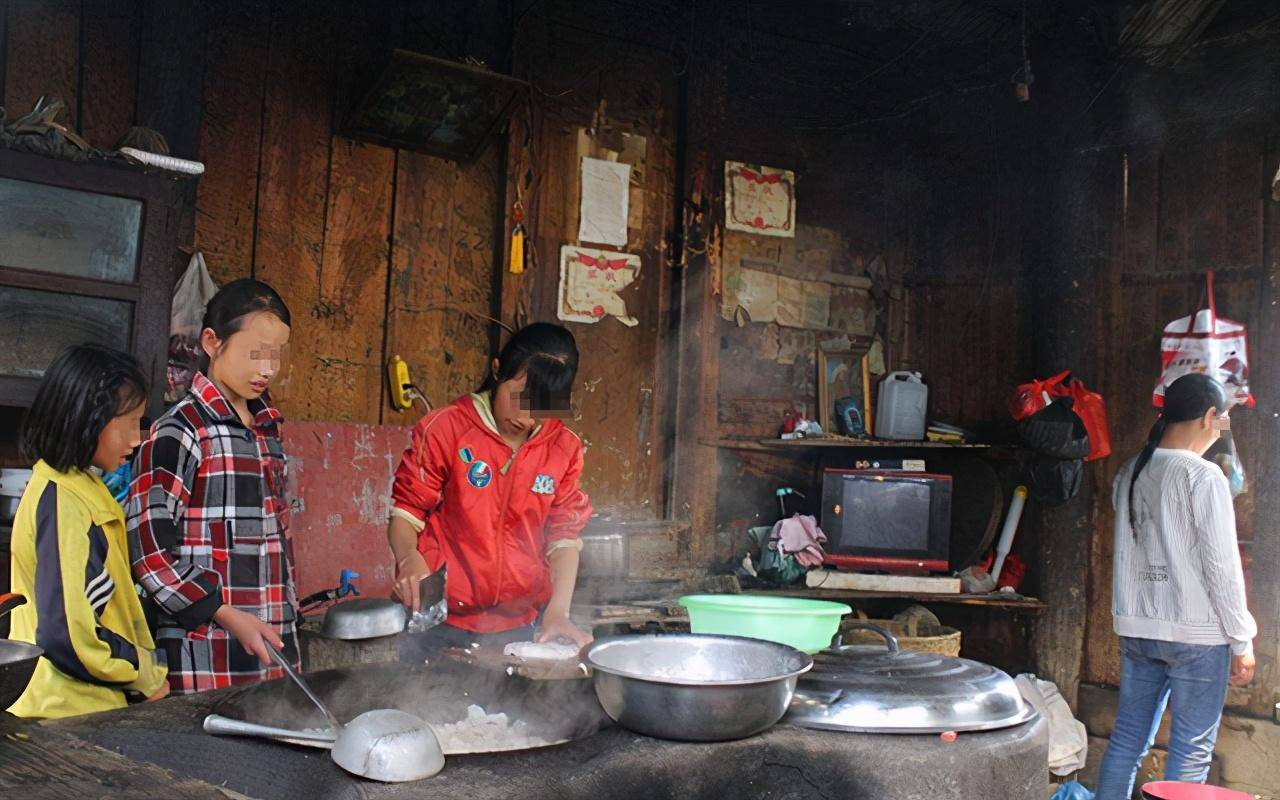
[{"x": 1207, "y": 343}]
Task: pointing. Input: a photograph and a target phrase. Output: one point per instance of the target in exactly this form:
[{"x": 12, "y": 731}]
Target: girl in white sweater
[{"x": 1178, "y": 599}]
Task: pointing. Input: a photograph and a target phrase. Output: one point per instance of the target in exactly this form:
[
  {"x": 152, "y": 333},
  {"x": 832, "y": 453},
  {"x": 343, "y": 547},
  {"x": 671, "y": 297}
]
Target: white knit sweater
[{"x": 1179, "y": 578}]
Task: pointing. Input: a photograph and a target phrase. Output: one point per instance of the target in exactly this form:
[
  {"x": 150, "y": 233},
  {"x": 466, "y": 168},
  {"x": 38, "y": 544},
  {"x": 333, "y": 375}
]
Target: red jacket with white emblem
[{"x": 490, "y": 514}]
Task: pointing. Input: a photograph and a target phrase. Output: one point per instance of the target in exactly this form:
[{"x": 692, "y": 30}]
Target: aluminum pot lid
[
  {"x": 875, "y": 689},
  {"x": 363, "y": 618}
]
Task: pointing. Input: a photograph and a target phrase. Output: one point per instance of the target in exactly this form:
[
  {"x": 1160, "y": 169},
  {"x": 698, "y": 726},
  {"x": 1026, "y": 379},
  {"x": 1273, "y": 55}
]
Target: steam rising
[{"x": 440, "y": 693}]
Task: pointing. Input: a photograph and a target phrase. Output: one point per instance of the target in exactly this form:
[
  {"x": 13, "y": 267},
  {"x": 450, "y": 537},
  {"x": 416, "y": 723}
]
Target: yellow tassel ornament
[{"x": 517, "y": 240}]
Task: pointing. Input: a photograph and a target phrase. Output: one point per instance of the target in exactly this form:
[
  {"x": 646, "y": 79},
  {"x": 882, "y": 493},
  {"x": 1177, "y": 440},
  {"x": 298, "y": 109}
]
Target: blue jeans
[{"x": 1192, "y": 680}]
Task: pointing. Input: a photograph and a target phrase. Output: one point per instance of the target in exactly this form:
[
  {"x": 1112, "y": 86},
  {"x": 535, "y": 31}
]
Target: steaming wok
[{"x": 439, "y": 693}]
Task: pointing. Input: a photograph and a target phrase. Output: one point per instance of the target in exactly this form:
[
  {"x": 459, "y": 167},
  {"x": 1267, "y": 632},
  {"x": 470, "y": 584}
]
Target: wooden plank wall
[
  {"x": 1169, "y": 235},
  {"x": 942, "y": 198},
  {"x": 1186, "y": 191},
  {"x": 376, "y": 251},
  {"x": 624, "y": 373}
]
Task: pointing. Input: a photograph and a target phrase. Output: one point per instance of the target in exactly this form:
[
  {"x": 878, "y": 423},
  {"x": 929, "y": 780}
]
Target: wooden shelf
[
  {"x": 773, "y": 445},
  {"x": 1028, "y": 605}
]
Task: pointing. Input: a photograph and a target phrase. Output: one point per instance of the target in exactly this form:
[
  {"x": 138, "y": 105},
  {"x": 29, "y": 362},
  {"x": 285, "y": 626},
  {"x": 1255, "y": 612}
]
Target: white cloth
[
  {"x": 1179, "y": 579},
  {"x": 1068, "y": 739}
]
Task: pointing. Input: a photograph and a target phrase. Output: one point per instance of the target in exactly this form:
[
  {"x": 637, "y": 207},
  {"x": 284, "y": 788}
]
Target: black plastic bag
[
  {"x": 1056, "y": 431},
  {"x": 1054, "y": 481}
]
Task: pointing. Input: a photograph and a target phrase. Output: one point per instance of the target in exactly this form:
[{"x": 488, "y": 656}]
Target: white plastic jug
[{"x": 903, "y": 401}]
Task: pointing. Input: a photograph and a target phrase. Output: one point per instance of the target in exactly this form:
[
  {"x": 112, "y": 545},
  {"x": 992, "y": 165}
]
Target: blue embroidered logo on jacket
[
  {"x": 479, "y": 474},
  {"x": 544, "y": 484}
]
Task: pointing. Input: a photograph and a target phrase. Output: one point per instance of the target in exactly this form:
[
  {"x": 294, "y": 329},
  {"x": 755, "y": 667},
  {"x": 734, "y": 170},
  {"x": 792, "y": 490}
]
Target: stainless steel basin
[{"x": 695, "y": 687}]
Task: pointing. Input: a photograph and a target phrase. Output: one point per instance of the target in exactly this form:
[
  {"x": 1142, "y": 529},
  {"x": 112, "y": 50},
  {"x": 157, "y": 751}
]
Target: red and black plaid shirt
[{"x": 207, "y": 520}]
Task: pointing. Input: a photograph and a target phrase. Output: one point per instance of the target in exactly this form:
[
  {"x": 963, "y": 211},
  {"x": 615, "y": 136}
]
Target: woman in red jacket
[{"x": 489, "y": 489}]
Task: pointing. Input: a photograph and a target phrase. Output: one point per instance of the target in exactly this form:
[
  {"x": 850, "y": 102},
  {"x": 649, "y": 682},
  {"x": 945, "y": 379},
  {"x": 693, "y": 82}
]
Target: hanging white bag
[
  {"x": 186, "y": 319},
  {"x": 1206, "y": 343}
]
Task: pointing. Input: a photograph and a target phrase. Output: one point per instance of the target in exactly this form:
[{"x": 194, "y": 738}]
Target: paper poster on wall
[
  {"x": 752, "y": 290},
  {"x": 590, "y": 281},
  {"x": 760, "y": 200},
  {"x": 803, "y": 304},
  {"x": 602, "y": 215}
]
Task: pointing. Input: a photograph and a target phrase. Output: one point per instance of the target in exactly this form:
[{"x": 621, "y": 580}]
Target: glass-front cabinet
[{"x": 88, "y": 253}]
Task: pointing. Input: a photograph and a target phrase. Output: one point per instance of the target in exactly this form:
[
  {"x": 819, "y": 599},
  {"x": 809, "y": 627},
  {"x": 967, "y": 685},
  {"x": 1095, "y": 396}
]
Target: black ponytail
[
  {"x": 1186, "y": 399},
  {"x": 1153, "y": 440}
]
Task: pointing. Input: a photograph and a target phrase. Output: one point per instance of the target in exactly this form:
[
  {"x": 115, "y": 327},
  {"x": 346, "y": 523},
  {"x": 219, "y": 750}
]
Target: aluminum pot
[
  {"x": 17, "y": 664},
  {"x": 695, "y": 688},
  {"x": 17, "y": 659},
  {"x": 8, "y": 509},
  {"x": 604, "y": 555}
]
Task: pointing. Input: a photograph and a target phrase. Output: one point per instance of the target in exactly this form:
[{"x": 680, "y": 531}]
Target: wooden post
[
  {"x": 1071, "y": 297},
  {"x": 231, "y": 137},
  {"x": 171, "y": 73},
  {"x": 694, "y": 469}
]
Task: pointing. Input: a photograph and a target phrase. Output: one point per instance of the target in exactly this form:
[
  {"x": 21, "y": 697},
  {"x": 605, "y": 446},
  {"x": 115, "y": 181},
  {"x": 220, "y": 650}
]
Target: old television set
[{"x": 887, "y": 521}]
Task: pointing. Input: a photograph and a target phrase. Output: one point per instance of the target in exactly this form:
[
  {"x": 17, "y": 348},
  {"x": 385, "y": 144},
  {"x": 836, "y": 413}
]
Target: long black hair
[
  {"x": 85, "y": 387},
  {"x": 548, "y": 355},
  {"x": 233, "y": 303},
  {"x": 1189, "y": 397}
]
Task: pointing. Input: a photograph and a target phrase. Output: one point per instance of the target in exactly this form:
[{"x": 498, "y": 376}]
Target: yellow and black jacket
[{"x": 71, "y": 561}]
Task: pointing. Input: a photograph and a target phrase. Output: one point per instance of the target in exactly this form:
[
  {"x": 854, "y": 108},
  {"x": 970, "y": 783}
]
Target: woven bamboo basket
[{"x": 922, "y": 637}]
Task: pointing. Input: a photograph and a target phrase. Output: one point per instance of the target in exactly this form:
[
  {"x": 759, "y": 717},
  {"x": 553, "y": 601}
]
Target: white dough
[
  {"x": 481, "y": 732},
  {"x": 542, "y": 651}
]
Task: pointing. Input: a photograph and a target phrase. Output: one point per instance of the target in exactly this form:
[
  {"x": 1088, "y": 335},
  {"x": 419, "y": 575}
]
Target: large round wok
[{"x": 439, "y": 693}]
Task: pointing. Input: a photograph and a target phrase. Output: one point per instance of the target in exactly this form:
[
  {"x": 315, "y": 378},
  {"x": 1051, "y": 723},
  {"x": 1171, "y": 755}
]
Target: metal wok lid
[
  {"x": 885, "y": 690},
  {"x": 364, "y": 618}
]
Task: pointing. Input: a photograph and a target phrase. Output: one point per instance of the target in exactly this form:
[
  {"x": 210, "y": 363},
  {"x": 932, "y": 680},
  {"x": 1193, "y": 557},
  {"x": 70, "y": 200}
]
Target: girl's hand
[
  {"x": 1242, "y": 670},
  {"x": 160, "y": 693},
  {"x": 559, "y": 627},
  {"x": 410, "y": 571},
  {"x": 251, "y": 632}
]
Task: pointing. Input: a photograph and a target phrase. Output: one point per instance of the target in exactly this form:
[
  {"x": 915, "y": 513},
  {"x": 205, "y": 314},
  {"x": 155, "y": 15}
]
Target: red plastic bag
[
  {"x": 1011, "y": 574},
  {"x": 1030, "y": 398},
  {"x": 1090, "y": 407}
]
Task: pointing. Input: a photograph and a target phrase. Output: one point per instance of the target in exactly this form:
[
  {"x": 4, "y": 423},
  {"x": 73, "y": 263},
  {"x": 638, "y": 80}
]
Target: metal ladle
[{"x": 384, "y": 744}]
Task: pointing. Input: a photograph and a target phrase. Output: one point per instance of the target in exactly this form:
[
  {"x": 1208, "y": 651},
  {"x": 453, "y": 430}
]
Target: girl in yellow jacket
[{"x": 70, "y": 554}]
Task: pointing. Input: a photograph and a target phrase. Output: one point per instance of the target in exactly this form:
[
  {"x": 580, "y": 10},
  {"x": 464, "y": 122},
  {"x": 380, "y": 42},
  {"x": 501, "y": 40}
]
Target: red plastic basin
[{"x": 1177, "y": 790}]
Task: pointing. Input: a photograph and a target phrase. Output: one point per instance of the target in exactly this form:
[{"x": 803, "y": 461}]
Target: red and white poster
[
  {"x": 760, "y": 200},
  {"x": 590, "y": 281}
]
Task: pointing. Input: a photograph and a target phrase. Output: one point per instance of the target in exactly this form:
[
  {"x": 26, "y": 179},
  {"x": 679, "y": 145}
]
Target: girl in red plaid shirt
[{"x": 207, "y": 516}]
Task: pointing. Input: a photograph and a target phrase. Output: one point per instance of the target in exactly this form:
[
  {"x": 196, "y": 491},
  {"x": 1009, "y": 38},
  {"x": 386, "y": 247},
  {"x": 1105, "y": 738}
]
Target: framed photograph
[{"x": 842, "y": 393}]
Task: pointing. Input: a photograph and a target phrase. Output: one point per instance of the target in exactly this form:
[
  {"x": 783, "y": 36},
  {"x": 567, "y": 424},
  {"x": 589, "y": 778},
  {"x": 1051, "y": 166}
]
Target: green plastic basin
[{"x": 807, "y": 625}]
